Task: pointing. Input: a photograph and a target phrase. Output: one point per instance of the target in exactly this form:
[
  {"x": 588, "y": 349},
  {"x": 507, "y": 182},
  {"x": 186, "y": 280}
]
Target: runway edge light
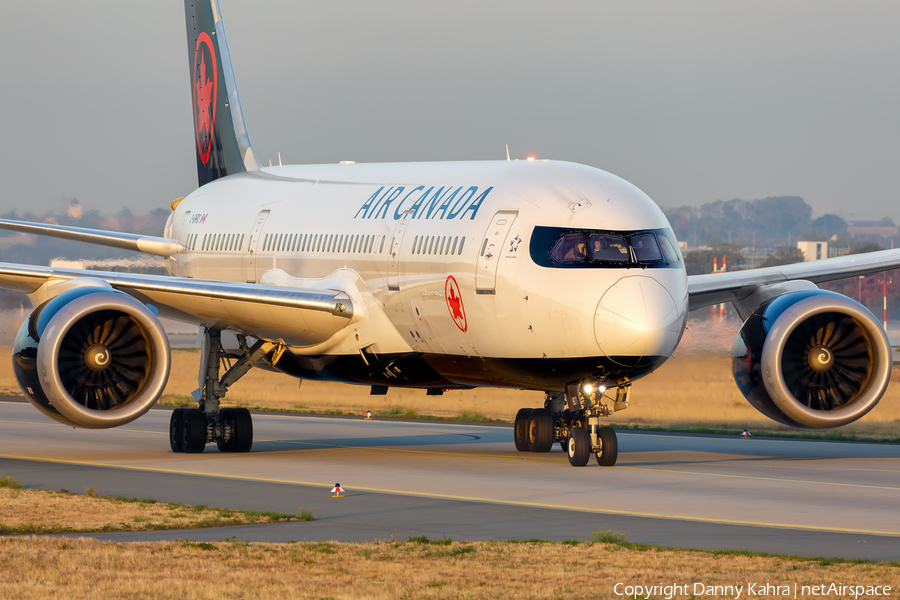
[{"x": 337, "y": 490}]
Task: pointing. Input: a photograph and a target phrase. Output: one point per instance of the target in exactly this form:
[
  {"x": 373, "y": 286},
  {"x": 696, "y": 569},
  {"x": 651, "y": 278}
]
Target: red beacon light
[{"x": 531, "y": 157}]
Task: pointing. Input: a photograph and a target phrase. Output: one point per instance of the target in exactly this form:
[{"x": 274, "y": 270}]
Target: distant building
[
  {"x": 813, "y": 250},
  {"x": 755, "y": 257},
  {"x": 871, "y": 229}
]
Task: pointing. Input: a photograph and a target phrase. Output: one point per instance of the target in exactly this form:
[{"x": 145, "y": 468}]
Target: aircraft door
[
  {"x": 253, "y": 248},
  {"x": 394, "y": 255},
  {"x": 491, "y": 248}
]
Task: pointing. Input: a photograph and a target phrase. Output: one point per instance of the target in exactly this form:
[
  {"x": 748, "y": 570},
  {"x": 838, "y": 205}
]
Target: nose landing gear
[{"x": 573, "y": 420}]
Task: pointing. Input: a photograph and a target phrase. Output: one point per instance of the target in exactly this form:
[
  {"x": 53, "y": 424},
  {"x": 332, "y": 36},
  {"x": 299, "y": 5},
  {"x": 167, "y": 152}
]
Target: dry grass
[
  {"x": 41, "y": 511},
  {"x": 694, "y": 388},
  {"x": 698, "y": 389},
  {"x": 41, "y": 568}
]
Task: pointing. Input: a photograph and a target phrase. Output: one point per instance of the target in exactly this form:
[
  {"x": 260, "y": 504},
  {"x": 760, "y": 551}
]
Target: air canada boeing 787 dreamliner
[{"x": 538, "y": 275}]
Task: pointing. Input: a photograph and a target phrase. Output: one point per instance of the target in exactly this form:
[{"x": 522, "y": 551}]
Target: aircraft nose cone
[{"x": 637, "y": 317}]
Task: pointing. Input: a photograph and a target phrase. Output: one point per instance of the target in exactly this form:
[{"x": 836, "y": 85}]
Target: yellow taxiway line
[{"x": 464, "y": 498}]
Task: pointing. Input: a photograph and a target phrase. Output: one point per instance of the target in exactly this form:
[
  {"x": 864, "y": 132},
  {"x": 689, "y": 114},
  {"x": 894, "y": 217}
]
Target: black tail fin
[{"x": 220, "y": 133}]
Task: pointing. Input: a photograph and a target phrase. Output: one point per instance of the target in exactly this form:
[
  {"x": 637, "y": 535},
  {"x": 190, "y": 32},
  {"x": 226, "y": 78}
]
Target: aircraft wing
[
  {"x": 298, "y": 316},
  {"x": 706, "y": 290},
  {"x": 147, "y": 244}
]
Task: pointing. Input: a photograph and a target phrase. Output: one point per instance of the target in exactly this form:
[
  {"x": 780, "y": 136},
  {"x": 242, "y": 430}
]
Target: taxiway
[{"x": 466, "y": 481}]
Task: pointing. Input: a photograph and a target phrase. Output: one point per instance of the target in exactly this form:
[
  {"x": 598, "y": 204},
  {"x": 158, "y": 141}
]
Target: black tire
[
  {"x": 578, "y": 447},
  {"x": 242, "y": 439},
  {"x": 175, "y": 422},
  {"x": 540, "y": 431},
  {"x": 609, "y": 447},
  {"x": 520, "y": 430},
  {"x": 193, "y": 431}
]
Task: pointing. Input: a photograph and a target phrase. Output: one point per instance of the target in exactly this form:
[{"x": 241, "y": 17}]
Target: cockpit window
[
  {"x": 569, "y": 248},
  {"x": 668, "y": 251},
  {"x": 645, "y": 247},
  {"x": 563, "y": 247},
  {"x": 607, "y": 247}
]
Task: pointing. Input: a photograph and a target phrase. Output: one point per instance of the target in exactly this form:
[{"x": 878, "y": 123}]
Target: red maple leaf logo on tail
[
  {"x": 205, "y": 86},
  {"x": 455, "y": 303}
]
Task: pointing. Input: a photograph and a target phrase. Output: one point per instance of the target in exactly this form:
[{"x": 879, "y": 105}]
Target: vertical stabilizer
[{"x": 220, "y": 133}]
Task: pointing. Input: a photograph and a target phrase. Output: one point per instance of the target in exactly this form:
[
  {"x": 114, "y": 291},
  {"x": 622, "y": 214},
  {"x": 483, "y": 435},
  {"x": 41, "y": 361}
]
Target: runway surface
[{"x": 466, "y": 481}]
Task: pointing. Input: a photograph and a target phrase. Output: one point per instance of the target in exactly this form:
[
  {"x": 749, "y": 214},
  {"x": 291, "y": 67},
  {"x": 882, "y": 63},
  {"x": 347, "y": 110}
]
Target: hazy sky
[{"x": 692, "y": 101}]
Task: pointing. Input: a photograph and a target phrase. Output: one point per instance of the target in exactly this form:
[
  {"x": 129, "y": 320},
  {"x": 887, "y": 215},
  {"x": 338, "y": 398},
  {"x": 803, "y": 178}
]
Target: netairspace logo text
[{"x": 759, "y": 590}]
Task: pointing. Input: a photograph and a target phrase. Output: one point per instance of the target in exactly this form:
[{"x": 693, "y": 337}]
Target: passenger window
[
  {"x": 570, "y": 248},
  {"x": 606, "y": 247},
  {"x": 645, "y": 247},
  {"x": 462, "y": 242},
  {"x": 381, "y": 248}
]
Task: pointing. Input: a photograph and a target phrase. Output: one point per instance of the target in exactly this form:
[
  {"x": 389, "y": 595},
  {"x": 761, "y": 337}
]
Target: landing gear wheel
[
  {"x": 193, "y": 431},
  {"x": 540, "y": 431},
  {"x": 609, "y": 447},
  {"x": 225, "y": 416},
  {"x": 175, "y": 422},
  {"x": 520, "y": 431},
  {"x": 241, "y": 430},
  {"x": 578, "y": 447}
]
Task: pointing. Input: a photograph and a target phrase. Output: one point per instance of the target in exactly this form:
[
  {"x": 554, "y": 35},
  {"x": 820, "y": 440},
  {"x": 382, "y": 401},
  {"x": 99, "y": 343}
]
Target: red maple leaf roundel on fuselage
[
  {"x": 455, "y": 303},
  {"x": 205, "y": 87}
]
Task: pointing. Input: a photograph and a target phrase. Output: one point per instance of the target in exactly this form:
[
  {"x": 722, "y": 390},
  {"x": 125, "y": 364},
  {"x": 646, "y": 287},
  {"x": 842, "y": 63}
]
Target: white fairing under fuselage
[{"x": 452, "y": 264}]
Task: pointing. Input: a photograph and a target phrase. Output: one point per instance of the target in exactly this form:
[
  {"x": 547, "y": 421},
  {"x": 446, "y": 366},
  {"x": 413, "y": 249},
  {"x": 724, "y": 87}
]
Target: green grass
[
  {"x": 399, "y": 411},
  {"x": 608, "y": 536},
  {"x": 178, "y": 401},
  {"x": 9, "y": 482}
]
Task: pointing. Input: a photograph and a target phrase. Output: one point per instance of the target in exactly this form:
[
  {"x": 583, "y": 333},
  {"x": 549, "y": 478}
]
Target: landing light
[
  {"x": 588, "y": 388},
  {"x": 530, "y": 157}
]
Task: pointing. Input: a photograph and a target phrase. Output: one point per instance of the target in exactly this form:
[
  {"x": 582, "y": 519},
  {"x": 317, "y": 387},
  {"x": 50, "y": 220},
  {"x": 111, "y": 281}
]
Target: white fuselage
[{"x": 440, "y": 255}]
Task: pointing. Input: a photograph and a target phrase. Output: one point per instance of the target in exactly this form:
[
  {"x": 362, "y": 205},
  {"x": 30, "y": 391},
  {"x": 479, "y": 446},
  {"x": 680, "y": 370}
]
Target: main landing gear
[
  {"x": 191, "y": 429},
  {"x": 572, "y": 419}
]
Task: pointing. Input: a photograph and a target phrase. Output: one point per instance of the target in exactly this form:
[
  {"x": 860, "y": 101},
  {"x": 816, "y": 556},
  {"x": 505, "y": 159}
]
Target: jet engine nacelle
[
  {"x": 92, "y": 357},
  {"x": 812, "y": 359}
]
